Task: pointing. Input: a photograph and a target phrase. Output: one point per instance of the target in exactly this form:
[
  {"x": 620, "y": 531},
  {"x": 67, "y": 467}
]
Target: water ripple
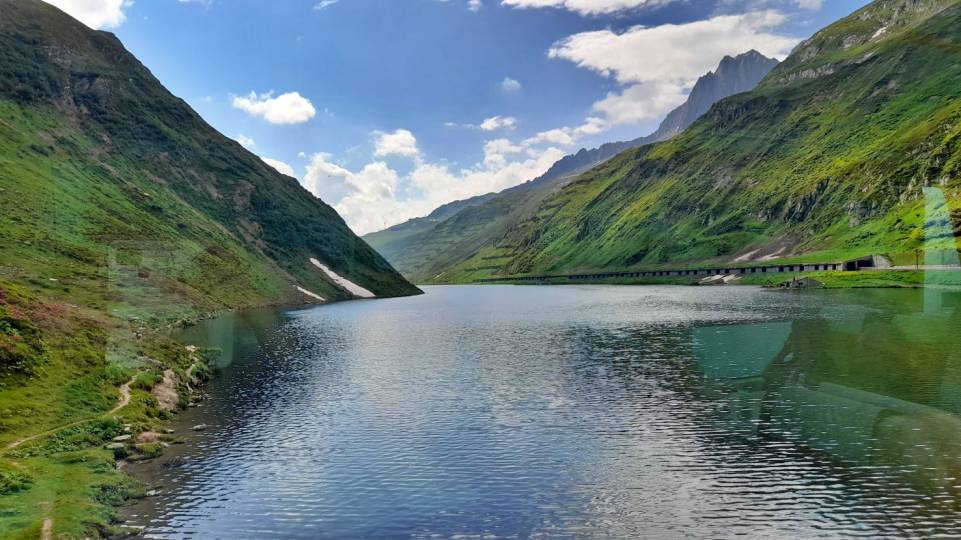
[{"x": 575, "y": 412}]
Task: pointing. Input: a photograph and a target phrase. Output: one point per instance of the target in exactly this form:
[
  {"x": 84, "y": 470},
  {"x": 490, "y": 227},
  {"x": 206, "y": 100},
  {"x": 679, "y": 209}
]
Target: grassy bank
[
  {"x": 65, "y": 371},
  {"x": 867, "y": 280}
]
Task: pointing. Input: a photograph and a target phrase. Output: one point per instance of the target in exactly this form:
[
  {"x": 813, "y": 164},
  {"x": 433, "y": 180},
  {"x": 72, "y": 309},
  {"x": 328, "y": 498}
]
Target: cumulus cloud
[
  {"x": 637, "y": 103},
  {"x": 656, "y": 66},
  {"x": 586, "y": 7},
  {"x": 364, "y": 198},
  {"x": 474, "y": 5},
  {"x": 498, "y": 122},
  {"x": 592, "y": 126},
  {"x": 510, "y": 85},
  {"x": 289, "y": 108},
  {"x": 561, "y": 136},
  {"x": 674, "y": 52},
  {"x": 493, "y": 123},
  {"x": 399, "y": 143},
  {"x": 604, "y": 7},
  {"x": 376, "y": 196},
  {"x": 497, "y": 151},
  {"x": 96, "y": 14},
  {"x": 280, "y": 166}
]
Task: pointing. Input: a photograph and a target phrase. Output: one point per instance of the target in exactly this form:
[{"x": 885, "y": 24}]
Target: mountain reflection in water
[{"x": 874, "y": 379}]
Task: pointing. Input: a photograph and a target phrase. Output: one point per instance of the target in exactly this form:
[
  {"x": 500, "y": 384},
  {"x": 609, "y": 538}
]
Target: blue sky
[{"x": 389, "y": 108}]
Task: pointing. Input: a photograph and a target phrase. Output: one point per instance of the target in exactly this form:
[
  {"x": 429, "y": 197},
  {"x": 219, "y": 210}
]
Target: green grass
[
  {"x": 872, "y": 279},
  {"x": 66, "y": 474}
]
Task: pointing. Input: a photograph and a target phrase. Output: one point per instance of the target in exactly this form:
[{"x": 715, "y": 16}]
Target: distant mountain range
[
  {"x": 417, "y": 251},
  {"x": 833, "y": 156}
]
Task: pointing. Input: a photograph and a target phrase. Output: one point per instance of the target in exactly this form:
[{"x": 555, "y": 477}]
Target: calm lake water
[{"x": 576, "y": 412}]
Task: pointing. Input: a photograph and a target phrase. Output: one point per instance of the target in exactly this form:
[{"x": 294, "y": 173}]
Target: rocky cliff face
[{"x": 733, "y": 76}]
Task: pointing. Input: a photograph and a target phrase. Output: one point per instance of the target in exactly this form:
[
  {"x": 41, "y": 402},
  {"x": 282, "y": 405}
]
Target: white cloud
[
  {"x": 498, "y": 122},
  {"x": 96, "y": 14},
  {"x": 280, "y": 166},
  {"x": 813, "y": 5},
  {"x": 324, "y": 4},
  {"x": 638, "y": 103},
  {"x": 603, "y": 7},
  {"x": 497, "y": 151},
  {"x": 364, "y": 199},
  {"x": 399, "y": 143},
  {"x": 327, "y": 180},
  {"x": 586, "y": 7},
  {"x": 561, "y": 136},
  {"x": 289, "y": 108},
  {"x": 376, "y": 196},
  {"x": 592, "y": 126},
  {"x": 674, "y": 52},
  {"x": 493, "y": 123},
  {"x": 244, "y": 140},
  {"x": 657, "y": 65},
  {"x": 475, "y": 5},
  {"x": 510, "y": 85}
]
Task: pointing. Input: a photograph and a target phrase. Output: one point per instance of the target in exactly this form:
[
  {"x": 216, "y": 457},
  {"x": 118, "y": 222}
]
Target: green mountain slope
[
  {"x": 827, "y": 158},
  {"x": 97, "y": 155},
  {"x": 423, "y": 249}
]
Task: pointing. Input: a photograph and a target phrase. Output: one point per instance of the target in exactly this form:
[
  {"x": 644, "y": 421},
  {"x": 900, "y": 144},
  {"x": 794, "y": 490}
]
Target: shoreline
[
  {"x": 67, "y": 472},
  {"x": 864, "y": 279}
]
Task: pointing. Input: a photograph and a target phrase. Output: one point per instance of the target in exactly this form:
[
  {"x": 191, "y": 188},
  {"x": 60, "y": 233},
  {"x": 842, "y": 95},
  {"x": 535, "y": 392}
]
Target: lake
[{"x": 575, "y": 412}]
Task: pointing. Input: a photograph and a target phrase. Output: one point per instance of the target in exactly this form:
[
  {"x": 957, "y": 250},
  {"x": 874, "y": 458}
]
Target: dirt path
[
  {"x": 124, "y": 397},
  {"x": 46, "y": 530},
  {"x": 124, "y": 401}
]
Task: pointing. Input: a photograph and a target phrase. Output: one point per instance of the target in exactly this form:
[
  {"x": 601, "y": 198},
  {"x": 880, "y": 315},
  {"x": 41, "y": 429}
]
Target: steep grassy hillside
[
  {"x": 122, "y": 212},
  {"x": 423, "y": 249},
  {"x": 97, "y": 155},
  {"x": 827, "y": 158}
]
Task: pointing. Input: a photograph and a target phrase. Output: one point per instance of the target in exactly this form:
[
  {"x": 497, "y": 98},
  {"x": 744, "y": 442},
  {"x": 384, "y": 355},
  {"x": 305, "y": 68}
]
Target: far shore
[{"x": 861, "y": 279}]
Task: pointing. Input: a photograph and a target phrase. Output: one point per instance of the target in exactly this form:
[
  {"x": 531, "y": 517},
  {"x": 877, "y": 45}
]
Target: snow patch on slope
[
  {"x": 312, "y": 295},
  {"x": 343, "y": 282}
]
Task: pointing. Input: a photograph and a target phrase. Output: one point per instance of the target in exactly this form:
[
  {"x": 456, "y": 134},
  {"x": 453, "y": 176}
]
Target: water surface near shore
[{"x": 576, "y": 412}]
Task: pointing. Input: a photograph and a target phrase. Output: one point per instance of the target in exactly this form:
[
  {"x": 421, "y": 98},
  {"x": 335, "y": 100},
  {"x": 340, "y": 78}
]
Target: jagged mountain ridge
[{"x": 732, "y": 76}]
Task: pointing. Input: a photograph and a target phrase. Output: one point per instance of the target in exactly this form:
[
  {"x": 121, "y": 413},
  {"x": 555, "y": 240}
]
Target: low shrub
[{"x": 14, "y": 482}]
